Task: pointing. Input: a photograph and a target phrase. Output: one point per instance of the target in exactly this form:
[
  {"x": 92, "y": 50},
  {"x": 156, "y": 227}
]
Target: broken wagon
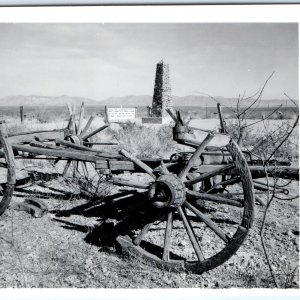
[{"x": 193, "y": 211}]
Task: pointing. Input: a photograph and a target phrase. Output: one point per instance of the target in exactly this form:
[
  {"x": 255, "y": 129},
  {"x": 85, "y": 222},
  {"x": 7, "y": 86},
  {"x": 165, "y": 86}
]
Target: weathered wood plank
[
  {"x": 115, "y": 165},
  {"x": 217, "y": 171},
  {"x": 27, "y": 137},
  {"x": 11, "y": 169},
  {"x": 129, "y": 183},
  {"x": 72, "y": 154},
  {"x": 214, "y": 198}
]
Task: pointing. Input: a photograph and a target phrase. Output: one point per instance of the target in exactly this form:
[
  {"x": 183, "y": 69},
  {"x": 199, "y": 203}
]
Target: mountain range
[{"x": 131, "y": 101}]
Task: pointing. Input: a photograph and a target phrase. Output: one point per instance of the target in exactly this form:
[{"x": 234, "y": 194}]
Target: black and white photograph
[{"x": 149, "y": 155}]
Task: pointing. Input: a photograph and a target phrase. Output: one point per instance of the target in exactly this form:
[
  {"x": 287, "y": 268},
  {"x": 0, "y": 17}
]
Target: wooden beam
[
  {"x": 72, "y": 154},
  {"x": 214, "y": 198},
  {"x": 129, "y": 183},
  {"x": 218, "y": 171}
]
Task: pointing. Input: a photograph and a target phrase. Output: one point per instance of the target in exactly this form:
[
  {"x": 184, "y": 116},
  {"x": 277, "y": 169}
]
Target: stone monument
[{"x": 162, "y": 98}]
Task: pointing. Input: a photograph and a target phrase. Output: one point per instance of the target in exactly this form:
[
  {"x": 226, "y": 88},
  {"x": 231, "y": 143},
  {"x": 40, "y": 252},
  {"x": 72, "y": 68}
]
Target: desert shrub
[
  {"x": 266, "y": 138},
  {"x": 145, "y": 142}
]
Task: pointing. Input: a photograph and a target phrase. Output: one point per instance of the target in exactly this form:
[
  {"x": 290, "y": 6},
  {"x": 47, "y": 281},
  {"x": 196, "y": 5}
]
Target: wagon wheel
[
  {"x": 177, "y": 233},
  {"x": 7, "y": 164},
  {"x": 79, "y": 135}
]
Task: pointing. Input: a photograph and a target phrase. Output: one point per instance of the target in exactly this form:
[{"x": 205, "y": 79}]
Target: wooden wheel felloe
[
  {"x": 193, "y": 230},
  {"x": 7, "y": 163}
]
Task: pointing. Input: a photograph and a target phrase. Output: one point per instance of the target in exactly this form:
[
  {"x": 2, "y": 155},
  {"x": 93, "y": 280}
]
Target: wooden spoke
[
  {"x": 168, "y": 234},
  {"x": 70, "y": 123},
  {"x": 138, "y": 162},
  {"x": 210, "y": 174},
  {"x": 129, "y": 183},
  {"x": 214, "y": 198},
  {"x": 191, "y": 234},
  {"x": 85, "y": 170},
  {"x": 101, "y": 143},
  {"x": 164, "y": 168},
  {"x": 66, "y": 168},
  {"x": 172, "y": 115},
  {"x": 75, "y": 168},
  {"x": 86, "y": 136},
  {"x": 195, "y": 156},
  {"x": 87, "y": 126},
  {"x": 70, "y": 110},
  {"x": 81, "y": 116},
  {"x": 207, "y": 221},
  {"x": 74, "y": 146},
  {"x": 142, "y": 233}
]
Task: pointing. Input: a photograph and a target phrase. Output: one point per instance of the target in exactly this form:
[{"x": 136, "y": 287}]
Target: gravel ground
[{"x": 57, "y": 250}]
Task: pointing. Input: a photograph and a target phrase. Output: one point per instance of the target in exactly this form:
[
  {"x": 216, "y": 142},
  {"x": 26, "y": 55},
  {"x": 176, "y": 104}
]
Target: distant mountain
[
  {"x": 190, "y": 100},
  {"x": 131, "y": 101},
  {"x": 34, "y": 100}
]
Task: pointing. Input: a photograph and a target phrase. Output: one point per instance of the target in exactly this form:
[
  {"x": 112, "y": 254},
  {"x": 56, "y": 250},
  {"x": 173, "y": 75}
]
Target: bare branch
[{"x": 259, "y": 95}]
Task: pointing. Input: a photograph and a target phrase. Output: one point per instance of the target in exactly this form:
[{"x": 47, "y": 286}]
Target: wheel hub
[{"x": 167, "y": 191}]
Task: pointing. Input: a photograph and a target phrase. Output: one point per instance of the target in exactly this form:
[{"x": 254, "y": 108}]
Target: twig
[
  {"x": 269, "y": 201},
  {"x": 264, "y": 118},
  {"x": 259, "y": 95}
]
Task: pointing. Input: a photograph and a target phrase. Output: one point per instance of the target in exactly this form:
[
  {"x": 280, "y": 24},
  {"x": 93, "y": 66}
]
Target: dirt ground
[{"x": 66, "y": 248}]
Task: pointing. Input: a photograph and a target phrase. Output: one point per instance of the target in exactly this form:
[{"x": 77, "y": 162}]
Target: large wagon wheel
[
  {"x": 79, "y": 138},
  {"x": 185, "y": 229},
  {"x": 7, "y": 165}
]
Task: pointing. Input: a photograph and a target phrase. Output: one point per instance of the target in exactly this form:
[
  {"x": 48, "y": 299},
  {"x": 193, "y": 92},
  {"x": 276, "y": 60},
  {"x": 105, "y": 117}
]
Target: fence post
[{"x": 22, "y": 114}]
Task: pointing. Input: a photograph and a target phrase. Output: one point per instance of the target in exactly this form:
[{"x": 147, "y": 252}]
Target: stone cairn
[{"x": 162, "y": 98}]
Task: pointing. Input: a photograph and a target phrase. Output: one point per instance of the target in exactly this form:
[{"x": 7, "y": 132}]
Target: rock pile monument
[{"x": 162, "y": 96}]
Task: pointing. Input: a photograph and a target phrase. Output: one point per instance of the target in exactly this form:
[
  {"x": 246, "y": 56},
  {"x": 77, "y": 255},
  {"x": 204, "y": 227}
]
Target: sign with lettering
[{"x": 121, "y": 114}]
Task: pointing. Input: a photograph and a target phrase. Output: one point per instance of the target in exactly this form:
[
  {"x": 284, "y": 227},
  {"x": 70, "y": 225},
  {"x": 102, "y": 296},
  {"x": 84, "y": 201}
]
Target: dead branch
[
  {"x": 261, "y": 233},
  {"x": 259, "y": 95}
]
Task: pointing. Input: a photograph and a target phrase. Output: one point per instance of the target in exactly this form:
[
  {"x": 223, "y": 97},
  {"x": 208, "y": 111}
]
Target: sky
[{"x": 103, "y": 60}]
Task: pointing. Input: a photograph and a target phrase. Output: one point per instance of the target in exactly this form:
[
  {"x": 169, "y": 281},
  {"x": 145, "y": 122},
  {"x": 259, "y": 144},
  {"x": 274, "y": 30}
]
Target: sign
[{"x": 120, "y": 114}]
